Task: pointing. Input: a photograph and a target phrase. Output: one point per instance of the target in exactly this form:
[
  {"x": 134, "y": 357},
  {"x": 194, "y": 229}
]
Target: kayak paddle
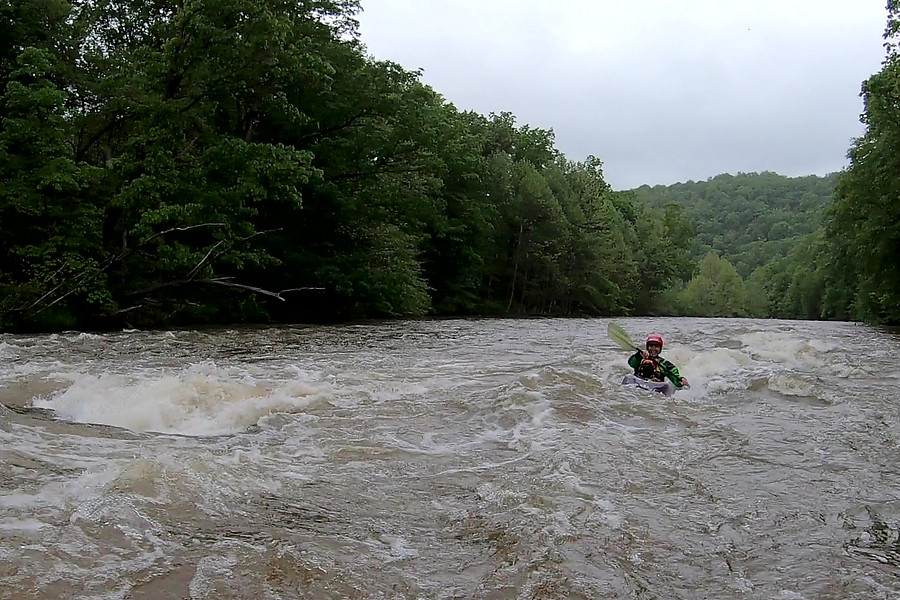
[{"x": 621, "y": 338}]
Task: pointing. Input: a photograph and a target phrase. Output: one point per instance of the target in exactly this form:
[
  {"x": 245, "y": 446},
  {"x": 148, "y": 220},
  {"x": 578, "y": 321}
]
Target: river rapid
[{"x": 451, "y": 459}]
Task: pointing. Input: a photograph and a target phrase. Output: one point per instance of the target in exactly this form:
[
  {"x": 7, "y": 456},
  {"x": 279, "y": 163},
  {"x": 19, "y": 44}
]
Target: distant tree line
[
  {"x": 748, "y": 218},
  {"x": 751, "y": 232},
  {"x": 170, "y": 163}
]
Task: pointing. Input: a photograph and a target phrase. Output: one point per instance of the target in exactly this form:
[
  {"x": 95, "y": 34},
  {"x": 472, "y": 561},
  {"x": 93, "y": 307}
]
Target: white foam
[
  {"x": 400, "y": 548},
  {"x": 82, "y": 336},
  {"x": 211, "y": 569},
  {"x": 719, "y": 361},
  {"x": 786, "y": 348},
  {"x": 200, "y": 400},
  {"x": 784, "y": 361},
  {"x": 712, "y": 369},
  {"x": 793, "y": 385},
  {"x": 22, "y": 525}
]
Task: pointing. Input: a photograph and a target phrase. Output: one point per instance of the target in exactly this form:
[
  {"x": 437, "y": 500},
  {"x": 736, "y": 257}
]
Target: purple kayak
[{"x": 666, "y": 388}]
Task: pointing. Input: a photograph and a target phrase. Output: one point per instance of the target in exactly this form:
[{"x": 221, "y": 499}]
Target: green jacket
[{"x": 661, "y": 369}]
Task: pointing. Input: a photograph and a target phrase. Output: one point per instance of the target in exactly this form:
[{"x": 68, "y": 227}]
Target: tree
[
  {"x": 864, "y": 222},
  {"x": 50, "y": 255},
  {"x": 173, "y": 105},
  {"x": 717, "y": 290},
  {"x": 600, "y": 266}
]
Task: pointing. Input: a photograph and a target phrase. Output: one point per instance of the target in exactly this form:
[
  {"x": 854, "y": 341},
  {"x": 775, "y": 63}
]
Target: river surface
[{"x": 457, "y": 459}]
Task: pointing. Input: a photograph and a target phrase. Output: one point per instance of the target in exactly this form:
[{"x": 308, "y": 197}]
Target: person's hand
[
  {"x": 684, "y": 382},
  {"x": 645, "y": 354}
]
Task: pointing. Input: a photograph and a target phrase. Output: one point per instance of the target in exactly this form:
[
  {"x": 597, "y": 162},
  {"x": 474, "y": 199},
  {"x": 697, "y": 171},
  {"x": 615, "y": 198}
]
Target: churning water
[{"x": 485, "y": 459}]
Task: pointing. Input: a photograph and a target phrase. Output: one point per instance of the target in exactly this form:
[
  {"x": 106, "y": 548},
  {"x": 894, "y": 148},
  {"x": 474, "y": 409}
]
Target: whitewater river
[{"x": 486, "y": 459}]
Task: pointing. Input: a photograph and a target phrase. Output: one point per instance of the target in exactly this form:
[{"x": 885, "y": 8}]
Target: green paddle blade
[{"x": 620, "y": 337}]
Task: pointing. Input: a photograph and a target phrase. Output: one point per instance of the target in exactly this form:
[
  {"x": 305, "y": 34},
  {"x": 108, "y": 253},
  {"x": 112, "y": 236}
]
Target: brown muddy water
[{"x": 488, "y": 459}]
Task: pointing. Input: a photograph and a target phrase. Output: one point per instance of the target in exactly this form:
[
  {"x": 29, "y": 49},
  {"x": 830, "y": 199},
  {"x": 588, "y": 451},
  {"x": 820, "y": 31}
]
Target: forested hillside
[
  {"x": 750, "y": 218},
  {"x": 245, "y": 160},
  {"x": 233, "y": 161}
]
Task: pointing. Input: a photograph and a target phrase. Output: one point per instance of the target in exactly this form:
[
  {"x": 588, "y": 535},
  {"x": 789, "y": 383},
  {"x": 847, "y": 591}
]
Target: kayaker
[{"x": 650, "y": 366}]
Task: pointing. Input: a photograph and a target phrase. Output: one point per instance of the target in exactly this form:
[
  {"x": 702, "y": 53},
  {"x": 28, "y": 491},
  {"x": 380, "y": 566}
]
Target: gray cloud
[{"x": 660, "y": 91}]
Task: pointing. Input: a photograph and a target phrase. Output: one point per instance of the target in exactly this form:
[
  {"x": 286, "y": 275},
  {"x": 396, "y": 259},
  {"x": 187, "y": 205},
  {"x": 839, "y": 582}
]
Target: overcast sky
[{"x": 660, "y": 91}]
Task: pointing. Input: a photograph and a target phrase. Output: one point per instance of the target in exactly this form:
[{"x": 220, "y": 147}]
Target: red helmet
[{"x": 654, "y": 338}]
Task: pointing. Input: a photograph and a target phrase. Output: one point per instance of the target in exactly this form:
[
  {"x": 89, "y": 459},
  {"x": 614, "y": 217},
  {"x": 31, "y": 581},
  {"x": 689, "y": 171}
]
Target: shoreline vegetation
[{"x": 247, "y": 162}]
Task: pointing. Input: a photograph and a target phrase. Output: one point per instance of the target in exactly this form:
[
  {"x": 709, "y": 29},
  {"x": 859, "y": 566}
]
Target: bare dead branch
[
  {"x": 59, "y": 299},
  {"x": 81, "y": 278},
  {"x": 225, "y": 281},
  {"x": 41, "y": 299},
  {"x": 193, "y": 272},
  {"x": 256, "y": 233},
  {"x": 122, "y": 311},
  {"x": 188, "y": 228}
]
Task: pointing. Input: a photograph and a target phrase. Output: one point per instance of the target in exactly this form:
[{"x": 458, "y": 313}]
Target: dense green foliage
[
  {"x": 751, "y": 246},
  {"x": 748, "y": 218},
  {"x": 202, "y": 161},
  {"x": 208, "y": 161},
  {"x": 863, "y": 232}
]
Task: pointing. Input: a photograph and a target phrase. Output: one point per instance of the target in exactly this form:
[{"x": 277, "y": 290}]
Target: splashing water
[{"x": 450, "y": 459}]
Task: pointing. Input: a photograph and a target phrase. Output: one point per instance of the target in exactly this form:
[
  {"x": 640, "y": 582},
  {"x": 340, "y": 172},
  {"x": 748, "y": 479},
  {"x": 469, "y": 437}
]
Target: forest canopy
[{"x": 210, "y": 161}]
